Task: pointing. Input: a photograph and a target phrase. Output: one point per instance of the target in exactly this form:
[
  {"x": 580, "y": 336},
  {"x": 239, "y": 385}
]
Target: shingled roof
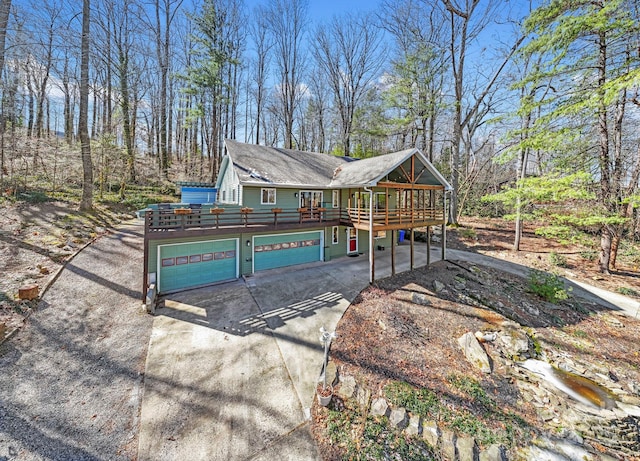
[{"x": 263, "y": 165}]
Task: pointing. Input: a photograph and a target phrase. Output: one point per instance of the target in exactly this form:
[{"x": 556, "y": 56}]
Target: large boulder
[{"x": 474, "y": 352}]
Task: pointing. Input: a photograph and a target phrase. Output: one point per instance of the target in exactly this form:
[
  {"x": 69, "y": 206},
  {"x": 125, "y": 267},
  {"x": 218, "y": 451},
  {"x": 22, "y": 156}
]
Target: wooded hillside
[{"x": 517, "y": 107}]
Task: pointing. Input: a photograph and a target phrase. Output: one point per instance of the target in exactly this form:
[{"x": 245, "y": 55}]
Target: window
[
  {"x": 233, "y": 196},
  {"x": 310, "y": 199},
  {"x": 334, "y": 235},
  {"x": 336, "y": 199},
  {"x": 268, "y": 196},
  {"x": 224, "y": 195}
]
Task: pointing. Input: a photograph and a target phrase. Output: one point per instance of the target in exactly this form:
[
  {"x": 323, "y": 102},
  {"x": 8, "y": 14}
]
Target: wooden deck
[{"x": 179, "y": 222}]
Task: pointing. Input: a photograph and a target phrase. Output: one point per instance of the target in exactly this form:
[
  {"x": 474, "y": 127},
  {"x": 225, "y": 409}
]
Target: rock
[
  {"x": 553, "y": 449},
  {"x": 420, "y": 298},
  {"x": 449, "y": 445},
  {"x": 612, "y": 321},
  {"x": 413, "y": 429},
  {"x": 431, "y": 433},
  {"x": 363, "y": 396},
  {"x": 467, "y": 449},
  {"x": 379, "y": 407},
  {"x": 474, "y": 352},
  {"x": 628, "y": 399},
  {"x": 100, "y": 230},
  {"x": 438, "y": 286},
  {"x": 28, "y": 292},
  {"x": 631, "y": 410},
  {"x": 493, "y": 453},
  {"x": 514, "y": 343},
  {"x": 347, "y": 387},
  {"x": 486, "y": 337},
  {"x": 399, "y": 418}
]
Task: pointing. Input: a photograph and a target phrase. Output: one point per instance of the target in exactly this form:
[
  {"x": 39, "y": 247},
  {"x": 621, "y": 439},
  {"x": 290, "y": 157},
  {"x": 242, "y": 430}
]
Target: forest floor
[
  {"x": 494, "y": 237},
  {"x": 385, "y": 337},
  {"x": 36, "y": 238}
]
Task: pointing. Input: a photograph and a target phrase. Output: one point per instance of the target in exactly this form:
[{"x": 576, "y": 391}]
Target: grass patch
[
  {"x": 471, "y": 388},
  {"x": 426, "y": 403},
  {"x": 421, "y": 401},
  {"x": 371, "y": 437}
]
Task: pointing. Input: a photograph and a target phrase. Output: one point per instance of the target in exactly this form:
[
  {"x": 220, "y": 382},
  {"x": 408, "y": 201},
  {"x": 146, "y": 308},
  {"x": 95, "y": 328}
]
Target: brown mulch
[{"x": 385, "y": 335}]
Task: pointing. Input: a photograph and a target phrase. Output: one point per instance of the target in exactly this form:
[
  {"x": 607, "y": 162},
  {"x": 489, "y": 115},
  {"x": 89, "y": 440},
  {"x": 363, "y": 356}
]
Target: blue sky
[{"x": 323, "y": 10}]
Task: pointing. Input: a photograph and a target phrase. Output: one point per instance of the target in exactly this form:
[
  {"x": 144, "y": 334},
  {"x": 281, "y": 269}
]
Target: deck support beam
[{"x": 393, "y": 252}]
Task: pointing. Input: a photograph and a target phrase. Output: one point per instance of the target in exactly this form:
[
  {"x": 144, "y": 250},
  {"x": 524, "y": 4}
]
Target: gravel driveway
[{"x": 71, "y": 381}]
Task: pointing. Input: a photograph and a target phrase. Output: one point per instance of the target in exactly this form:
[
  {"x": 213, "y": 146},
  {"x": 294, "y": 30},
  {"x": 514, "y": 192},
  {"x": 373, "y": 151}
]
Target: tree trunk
[
  {"x": 86, "y": 203},
  {"x": 603, "y": 136}
]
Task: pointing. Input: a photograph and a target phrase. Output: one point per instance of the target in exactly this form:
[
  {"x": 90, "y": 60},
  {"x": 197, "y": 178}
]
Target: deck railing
[
  {"x": 228, "y": 218},
  {"x": 183, "y": 219},
  {"x": 397, "y": 217}
]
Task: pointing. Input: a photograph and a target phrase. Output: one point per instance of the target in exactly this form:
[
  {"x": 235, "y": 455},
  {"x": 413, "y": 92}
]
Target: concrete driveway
[{"x": 231, "y": 369}]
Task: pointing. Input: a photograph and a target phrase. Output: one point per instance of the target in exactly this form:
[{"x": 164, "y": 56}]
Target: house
[{"x": 278, "y": 207}]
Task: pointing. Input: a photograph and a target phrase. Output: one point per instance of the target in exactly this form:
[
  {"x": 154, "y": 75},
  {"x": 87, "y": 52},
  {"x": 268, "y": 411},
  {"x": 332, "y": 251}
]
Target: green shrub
[
  {"x": 558, "y": 260},
  {"x": 589, "y": 255},
  {"x": 627, "y": 291},
  {"x": 548, "y": 286},
  {"x": 468, "y": 233}
]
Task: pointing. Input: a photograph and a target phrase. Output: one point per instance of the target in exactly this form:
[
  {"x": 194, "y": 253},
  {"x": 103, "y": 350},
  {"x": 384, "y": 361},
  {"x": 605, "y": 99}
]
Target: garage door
[
  {"x": 189, "y": 265},
  {"x": 271, "y": 251}
]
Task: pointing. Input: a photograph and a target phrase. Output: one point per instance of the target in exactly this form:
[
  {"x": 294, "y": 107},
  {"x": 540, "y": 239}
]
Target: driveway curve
[
  {"x": 220, "y": 373},
  {"x": 71, "y": 380}
]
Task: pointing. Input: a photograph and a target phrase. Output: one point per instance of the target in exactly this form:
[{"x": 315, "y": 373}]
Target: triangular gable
[{"x": 392, "y": 167}]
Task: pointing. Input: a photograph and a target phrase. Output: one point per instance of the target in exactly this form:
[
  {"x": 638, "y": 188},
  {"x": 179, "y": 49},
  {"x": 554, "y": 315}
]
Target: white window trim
[
  {"x": 335, "y": 199},
  {"x": 262, "y": 195},
  {"x": 335, "y": 235}
]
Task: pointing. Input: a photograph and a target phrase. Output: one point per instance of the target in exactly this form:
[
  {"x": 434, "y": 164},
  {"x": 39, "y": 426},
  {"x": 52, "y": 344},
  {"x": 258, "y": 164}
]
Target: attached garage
[
  {"x": 189, "y": 265},
  {"x": 280, "y": 250}
]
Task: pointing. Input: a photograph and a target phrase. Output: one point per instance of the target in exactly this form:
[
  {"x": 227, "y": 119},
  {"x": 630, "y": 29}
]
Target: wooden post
[
  {"x": 428, "y": 245},
  {"x": 411, "y": 240},
  {"x": 443, "y": 242},
  {"x": 393, "y": 252}
]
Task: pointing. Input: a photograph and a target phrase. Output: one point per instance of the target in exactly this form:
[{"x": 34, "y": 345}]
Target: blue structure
[{"x": 197, "y": 192}]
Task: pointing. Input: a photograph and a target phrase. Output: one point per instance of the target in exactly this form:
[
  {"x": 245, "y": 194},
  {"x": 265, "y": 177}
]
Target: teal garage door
[
  {"x": 189, "y": 265},
  {"x": 271, "y": 251}
]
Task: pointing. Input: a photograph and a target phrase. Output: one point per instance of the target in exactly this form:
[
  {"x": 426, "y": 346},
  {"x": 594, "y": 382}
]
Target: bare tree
[
  {"x": 466, "y": 22},
  {"x": 287, "y": 21},
  {"x": 168, "y": 9},
  {"x": 258, "y": 30},
  {"x": 349, "y": 52},
  {"x": 86, "y": 203}
]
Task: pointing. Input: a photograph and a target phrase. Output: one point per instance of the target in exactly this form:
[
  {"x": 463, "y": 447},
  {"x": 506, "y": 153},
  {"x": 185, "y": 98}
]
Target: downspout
[{"x": 371, "y": 259}]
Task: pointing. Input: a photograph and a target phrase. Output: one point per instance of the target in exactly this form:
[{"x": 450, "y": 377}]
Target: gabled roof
[{"x": 261, "y": 165}]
